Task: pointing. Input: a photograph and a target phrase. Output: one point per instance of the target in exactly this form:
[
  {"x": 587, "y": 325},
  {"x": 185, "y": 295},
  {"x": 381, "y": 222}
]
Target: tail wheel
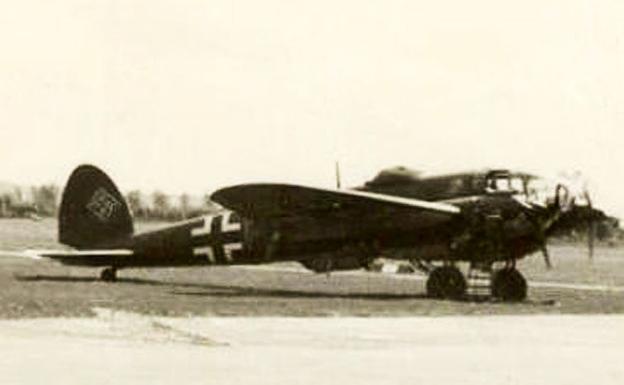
[
  {"x": 509, "y": 285},
  {"x": 446, "y": 282},
  {"x": 109, "y": 274}
]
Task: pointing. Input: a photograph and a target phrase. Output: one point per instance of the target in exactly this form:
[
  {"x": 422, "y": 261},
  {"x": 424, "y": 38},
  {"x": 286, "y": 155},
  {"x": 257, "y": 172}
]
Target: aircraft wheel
[
  {"x": 109, "y": 274},
  {"x": 509, "y": 285},
  {"x": 446, "y": 282}
]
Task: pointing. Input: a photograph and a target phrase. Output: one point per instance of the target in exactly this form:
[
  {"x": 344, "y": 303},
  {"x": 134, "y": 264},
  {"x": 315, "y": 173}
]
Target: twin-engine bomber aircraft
[{"x": 487, "y": 219}]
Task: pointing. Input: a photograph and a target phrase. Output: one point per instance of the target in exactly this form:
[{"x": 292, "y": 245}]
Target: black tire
[
  {"x": 109, "y": 274},
  {"x": 446, "y": 282},
  {"x": 509, "y": 285}
]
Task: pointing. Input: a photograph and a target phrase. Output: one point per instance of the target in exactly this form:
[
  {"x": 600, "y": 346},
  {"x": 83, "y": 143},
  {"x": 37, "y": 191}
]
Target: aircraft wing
[
  {"x": 82, "y": 257},
  {"x": 293, "y": 200}
]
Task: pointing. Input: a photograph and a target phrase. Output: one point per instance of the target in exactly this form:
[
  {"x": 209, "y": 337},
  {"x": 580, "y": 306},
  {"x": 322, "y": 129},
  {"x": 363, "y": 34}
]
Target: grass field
[{"x": 32, "y": 288}]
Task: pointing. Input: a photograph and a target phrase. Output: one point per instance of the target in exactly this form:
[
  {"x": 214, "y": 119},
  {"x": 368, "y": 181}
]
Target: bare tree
[
  {"x": 161, "y": 204},
  {"x": 184, "y": 205},
  {"x": 135, "y": 203},
  {"x": 45, "y": 198},
  {"x": 6, "y": 201},
  {"x": 18, "y": 194}
]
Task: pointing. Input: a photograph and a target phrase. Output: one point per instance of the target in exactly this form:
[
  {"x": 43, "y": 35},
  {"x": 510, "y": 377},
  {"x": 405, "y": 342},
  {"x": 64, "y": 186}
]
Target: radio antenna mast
[{"x": 338, "y": 184}]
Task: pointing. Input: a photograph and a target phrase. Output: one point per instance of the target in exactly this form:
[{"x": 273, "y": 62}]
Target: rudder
[{"x": 93, "y": 212}]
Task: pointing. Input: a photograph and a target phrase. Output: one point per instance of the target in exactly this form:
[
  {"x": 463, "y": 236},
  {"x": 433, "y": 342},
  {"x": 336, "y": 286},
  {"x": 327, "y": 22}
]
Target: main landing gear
[
  {"x": 509, "y": 285},
  {"x": 109, "y": 274},
  {"x": 448, "y": 282}
]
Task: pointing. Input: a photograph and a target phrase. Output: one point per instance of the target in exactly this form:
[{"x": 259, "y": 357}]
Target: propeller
[
  {"x": 570, "y": 208},
  {"x": 541, "y": 216},
  {"x": 584, "y": 215}
]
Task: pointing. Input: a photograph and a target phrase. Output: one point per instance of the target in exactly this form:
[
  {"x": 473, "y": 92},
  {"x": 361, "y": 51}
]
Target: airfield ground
[
  {"x": 32, "y": 288},
  {"x": 193, "y": 325}
]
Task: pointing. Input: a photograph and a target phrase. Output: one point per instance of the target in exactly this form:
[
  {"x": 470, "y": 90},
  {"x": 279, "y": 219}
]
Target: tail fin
[{"x": 93, "y": 212}]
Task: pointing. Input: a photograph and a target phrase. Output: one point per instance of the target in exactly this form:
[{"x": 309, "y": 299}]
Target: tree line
[
  {"x": 36, "y": 201},
  {"x": 160, "y": 206},
  {"x": 44, "y": 201}
]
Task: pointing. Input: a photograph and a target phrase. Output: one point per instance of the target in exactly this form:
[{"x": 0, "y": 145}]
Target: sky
[{"x": 190, "y": 95}]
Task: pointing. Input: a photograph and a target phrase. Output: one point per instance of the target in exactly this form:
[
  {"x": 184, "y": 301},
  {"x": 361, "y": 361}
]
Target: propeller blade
[
  {"x": 587, "y": 198},
  {"x": 546, "y": 256},
  {"x": 557, "y": 203},
  {"x": 540, "y": 235},
  {"x": 591, "y": 234},
  {"x": 591, "y": 225}
]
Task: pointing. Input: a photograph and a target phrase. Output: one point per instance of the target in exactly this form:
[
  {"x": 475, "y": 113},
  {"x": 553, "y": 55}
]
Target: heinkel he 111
[{"x": 489, "y": 219}]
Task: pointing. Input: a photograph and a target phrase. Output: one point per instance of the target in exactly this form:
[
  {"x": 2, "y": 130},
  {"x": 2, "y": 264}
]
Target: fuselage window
[{"x": 507, "y": 184}]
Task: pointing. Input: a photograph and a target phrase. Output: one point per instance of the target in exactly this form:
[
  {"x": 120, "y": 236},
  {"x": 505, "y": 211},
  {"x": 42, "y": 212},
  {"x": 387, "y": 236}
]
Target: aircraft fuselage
[{"x": 229, "y": 239}]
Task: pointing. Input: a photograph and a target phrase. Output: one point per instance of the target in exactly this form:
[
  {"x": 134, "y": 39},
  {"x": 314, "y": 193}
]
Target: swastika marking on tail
[{"x": 102, "y": 204}]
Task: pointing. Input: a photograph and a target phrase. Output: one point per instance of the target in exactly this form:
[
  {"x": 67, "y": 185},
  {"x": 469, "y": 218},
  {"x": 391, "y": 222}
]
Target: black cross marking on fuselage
[{"x": 217, "y": 238}]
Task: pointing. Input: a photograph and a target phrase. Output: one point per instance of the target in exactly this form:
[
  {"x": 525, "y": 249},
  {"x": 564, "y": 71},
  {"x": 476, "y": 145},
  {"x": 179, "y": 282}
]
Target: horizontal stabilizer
[{"x": 83, "y": 258}]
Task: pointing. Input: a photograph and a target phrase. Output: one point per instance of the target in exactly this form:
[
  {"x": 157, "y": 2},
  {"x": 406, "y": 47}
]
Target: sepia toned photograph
[{"x": 311, "y": 192}]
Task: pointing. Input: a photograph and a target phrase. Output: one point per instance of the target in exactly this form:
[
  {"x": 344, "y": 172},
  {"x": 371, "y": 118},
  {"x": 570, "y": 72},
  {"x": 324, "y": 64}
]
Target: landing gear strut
[
  {"x": 446, "y": 282},
  {"x": 109, "y": 274},
  {"x": 509, "y": 285}
]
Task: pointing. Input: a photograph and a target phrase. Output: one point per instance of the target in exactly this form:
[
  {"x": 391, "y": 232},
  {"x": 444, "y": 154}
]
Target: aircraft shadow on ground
[
  {"x": 237, "y": 291},
  {"x": 212, "y": 290},
  {"x": 76, "y": 279},
  {"x": 244, "y": 291}
]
